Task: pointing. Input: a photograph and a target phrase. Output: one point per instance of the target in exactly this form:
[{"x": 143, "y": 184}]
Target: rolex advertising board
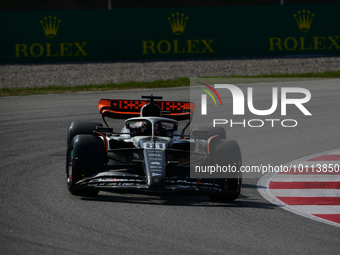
[
  {"x": 169, "y": 33},
  {"x": 292, "y": 30}
]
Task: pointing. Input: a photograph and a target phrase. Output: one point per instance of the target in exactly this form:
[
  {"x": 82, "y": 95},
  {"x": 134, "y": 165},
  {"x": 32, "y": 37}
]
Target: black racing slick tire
[
  {"x": 227, "y": 152},
  {"x": 79, "y": 128},
  {"x": 86, "y": 157}
]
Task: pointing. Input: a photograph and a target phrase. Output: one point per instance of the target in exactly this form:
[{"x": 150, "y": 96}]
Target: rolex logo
[
  {"x": 50, "y": 26},
  {"x": 178, "y": 23},
  {"x": 304, "y": 20}
]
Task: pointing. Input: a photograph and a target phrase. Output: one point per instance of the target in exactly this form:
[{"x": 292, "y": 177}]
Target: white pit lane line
[{"x": 314, "y": 195}]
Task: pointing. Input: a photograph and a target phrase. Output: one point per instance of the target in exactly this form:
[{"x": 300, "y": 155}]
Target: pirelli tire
[
  {"x": 81, "y": 127},
  {"x": 78, "y": 128},
  {"x": 227, "y": 153},
  {"x": 86, "y": 157}
]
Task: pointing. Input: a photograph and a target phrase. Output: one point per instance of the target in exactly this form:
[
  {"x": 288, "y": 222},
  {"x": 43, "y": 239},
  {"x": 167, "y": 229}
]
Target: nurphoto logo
[{"x": 238, "y": 104}]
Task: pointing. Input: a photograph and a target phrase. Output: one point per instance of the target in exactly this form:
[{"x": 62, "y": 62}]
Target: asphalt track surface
[{"x": 39, "y": 216}]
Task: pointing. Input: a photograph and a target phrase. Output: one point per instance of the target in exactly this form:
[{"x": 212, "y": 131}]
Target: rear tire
[
  {"x": 85, "y": 158},
  {"x": 78, "y": 128},
  {"x": 225, "y": 153}
]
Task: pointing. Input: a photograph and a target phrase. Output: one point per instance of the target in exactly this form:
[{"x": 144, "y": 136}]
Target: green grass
[{"x": 179, "y": 82}]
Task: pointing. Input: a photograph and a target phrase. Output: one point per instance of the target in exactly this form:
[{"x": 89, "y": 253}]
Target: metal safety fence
[{"x": 40, "y": 5}]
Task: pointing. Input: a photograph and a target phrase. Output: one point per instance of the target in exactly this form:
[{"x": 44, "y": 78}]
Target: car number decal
[{"x": 159, "y": 146}]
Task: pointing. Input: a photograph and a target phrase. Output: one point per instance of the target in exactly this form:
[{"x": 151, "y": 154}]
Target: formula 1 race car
[{"x": 149, "y": 155}]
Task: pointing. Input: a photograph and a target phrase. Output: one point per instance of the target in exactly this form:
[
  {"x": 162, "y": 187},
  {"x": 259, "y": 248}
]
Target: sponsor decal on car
[
  {"x": 159, "y": 159},
  {"x": 158, "y": 146},
  {"x": 118, "y": 184},
  {"x": 155, "y": 155}
]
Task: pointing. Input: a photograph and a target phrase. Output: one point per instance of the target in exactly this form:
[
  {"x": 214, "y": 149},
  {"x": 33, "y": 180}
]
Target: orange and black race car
[{"x": 150, "y": 154}]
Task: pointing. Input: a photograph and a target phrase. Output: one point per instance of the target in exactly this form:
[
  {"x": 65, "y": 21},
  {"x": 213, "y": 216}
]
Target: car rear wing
[{"x": 123, "y": 109}]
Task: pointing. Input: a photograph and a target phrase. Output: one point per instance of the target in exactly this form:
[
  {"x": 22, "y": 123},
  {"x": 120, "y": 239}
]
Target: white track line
[
  {"x": 306, "y": 178},
  {"x": 305, "y": 192},
  {"x": 303, "y": 210}
]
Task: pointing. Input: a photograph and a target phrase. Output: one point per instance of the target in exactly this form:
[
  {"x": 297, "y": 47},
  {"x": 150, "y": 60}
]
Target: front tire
[
  {"x": 85, "y": 158},
  {"x": 225, "y": 153}
]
